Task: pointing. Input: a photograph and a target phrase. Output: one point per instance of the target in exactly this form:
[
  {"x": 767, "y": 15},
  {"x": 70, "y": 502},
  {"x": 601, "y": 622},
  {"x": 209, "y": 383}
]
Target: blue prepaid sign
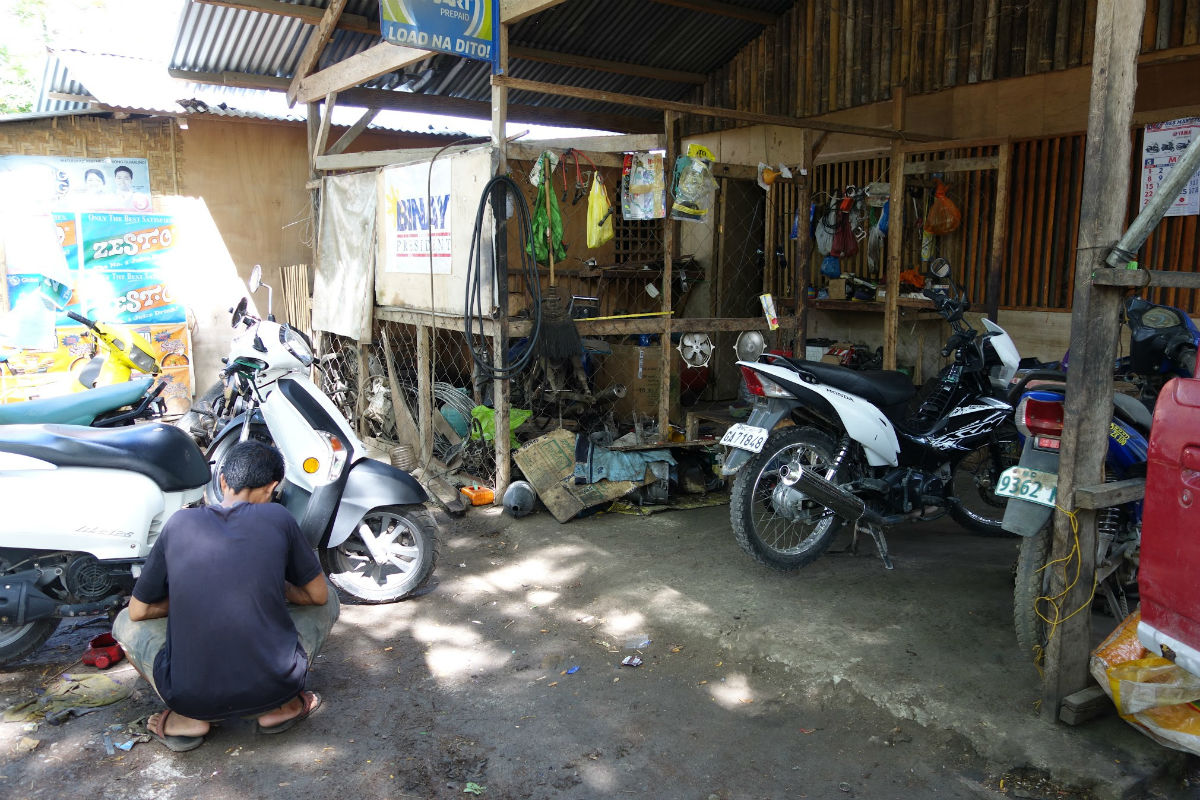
[{"x": 462, "y": 27}]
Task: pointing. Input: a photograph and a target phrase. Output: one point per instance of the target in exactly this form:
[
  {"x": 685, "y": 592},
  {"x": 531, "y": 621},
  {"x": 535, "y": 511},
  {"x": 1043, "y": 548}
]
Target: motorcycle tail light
[
  {"x": 1047, "y": 443},
  {"x": 1039, "y": 418},
  {"x": 752, "y": 382}
]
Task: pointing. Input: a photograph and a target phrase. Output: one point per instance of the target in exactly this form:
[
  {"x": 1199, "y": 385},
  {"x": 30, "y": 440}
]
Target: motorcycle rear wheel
[
  {"x": 978, "y": 507},
  {"x": 18, "y": 641},
  {"x": 1032, "y": 582},
  {"x": 411, "y": 555},
  {"x": 772, "y": 539}
]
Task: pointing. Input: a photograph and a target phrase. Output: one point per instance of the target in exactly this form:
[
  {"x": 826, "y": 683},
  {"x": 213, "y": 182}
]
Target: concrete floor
[{"x": 841, "y": 680}]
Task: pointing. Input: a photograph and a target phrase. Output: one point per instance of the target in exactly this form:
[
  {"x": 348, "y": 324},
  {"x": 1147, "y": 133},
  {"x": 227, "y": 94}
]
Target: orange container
[{"x": 479, "y": 495}]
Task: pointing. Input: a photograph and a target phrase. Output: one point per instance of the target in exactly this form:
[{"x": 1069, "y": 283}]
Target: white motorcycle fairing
[
  {"x": 863, "y": 421},
  {"x": 297, "y": 412},
  {"x": 1004, "y": 346}
]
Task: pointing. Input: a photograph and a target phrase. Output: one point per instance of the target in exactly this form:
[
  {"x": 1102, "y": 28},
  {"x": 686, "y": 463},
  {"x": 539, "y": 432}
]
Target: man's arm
[
  {"x": 313, "y": 593},
  {"x": 139, "y": 611}
]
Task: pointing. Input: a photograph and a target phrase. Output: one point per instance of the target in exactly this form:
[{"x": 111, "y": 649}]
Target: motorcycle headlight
[
  {"x": 144, "y": 361},
  {"x": 297, "y": 344}
]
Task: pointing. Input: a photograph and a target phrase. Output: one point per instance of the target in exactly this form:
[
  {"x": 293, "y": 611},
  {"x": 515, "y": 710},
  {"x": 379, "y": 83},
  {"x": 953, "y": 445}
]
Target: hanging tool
[
  {"x": 560, "y": 339},
  {"x": 581, "y": 177}
]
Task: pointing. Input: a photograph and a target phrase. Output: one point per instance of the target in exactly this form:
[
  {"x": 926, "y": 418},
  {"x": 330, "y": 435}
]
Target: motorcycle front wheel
[
  {"x": 400, "y": 563},
  {"x": 783, "y": 538},
  {"x": 977, "y": 507},
  {"x": 218, "y": 454}
]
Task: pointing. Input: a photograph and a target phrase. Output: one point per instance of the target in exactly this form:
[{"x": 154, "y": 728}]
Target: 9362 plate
[{"x": 1028, "y": 484}]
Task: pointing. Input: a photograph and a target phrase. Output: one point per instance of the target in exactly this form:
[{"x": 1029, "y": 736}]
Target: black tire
[
  {"x": 413, "y": 556},
  {"x": 978, "y": 507},
  {"x": 771, "y": 538},
  {"x": 16, "y": 642},
  {"x": 216, "y": 457},
  {"x": 1032, "y": 582}
]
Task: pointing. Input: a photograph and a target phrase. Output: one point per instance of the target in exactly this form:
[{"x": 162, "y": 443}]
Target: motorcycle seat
[
  {"x": 1132, "y": 411},
  {"x": 80, "y": 408},
  {"x": 163, "y": 453},
  {"x": 881, "y": 387}
]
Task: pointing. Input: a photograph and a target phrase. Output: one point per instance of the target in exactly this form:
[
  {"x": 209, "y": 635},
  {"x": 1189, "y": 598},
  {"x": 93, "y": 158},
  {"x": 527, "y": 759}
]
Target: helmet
[{"x": 518, "y": 498}]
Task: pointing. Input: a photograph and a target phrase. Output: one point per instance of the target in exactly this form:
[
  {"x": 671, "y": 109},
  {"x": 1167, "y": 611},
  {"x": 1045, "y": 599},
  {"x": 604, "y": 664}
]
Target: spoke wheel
[
  {"x": 978, "y": 507},
  {"x": 389, "y": 556},
  {"x": 781, "y": 529}
]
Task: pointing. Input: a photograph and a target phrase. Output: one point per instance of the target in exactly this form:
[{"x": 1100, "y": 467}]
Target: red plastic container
[
  {"x": 1170, "y": 558},
  {"x": 103, "y": 651}
]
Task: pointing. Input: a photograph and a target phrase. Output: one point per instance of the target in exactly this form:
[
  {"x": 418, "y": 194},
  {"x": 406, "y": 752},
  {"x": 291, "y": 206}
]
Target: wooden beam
[
  {"x": 501, "y": 387},
  {"x": 951, "y": 165},
  {"x": 698, "y": 110},
  {"x": 474, "y": 109},
  {"x": 723, "y": 10},
  {"x": 602, "y": 65},
  {"x": 1110, "y": 494},
  {"x": 71, "y": 98},
  {"x": 514, "y": 10},
  {"x": 310, "y": 15},
  {"x": 895, "y": 256},
  {"x": 1138, "y": 278},
  {"x": 353, "y": 132},
  {"x": 312, "y": 50},
  {"x": 601, "y": 144},
  {"x": 1094, "y": 325},
  {"x": 529, "y": 151},
  {"x": 323, "y": 131},
  {"x": 369, "y": 159},
  {"x": 240, "y": 80},
  {"x": 357, "y": 69}
]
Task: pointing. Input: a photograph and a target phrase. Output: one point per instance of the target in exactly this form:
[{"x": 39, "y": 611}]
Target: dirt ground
[{"x": 505, "y": 681}]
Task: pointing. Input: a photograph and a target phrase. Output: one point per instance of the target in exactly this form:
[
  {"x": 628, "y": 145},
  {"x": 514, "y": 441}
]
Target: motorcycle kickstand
[{"x": 876, "y": 533}]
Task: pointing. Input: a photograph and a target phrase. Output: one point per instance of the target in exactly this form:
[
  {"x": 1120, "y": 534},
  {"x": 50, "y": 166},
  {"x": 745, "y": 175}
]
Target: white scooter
[
  {"x": 83, "y": 506},
  {"x": 366, "y": 518}
]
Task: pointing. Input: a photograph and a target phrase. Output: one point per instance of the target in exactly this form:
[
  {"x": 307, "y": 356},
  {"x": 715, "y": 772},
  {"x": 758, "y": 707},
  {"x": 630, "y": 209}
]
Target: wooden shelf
[{"x": 872, "y": 306}]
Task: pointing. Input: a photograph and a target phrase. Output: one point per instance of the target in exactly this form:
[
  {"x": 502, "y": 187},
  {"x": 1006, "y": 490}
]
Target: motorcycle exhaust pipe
[
  {"x": 22, "y": 602},
  {"x": 830, "y": 495}
]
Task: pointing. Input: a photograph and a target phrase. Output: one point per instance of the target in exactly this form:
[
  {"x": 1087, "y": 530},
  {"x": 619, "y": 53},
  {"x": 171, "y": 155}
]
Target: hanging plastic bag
[
  {"x": 943, "y": 216},
  {"x": 599, "y": 214},
  {"x": 643, "y": 187},
  {"x": 831, "y": 267},
  {"x": 826, "y": 224},
  {"x": 844, "y": 244},
  {"x": 543, "y": 220}
]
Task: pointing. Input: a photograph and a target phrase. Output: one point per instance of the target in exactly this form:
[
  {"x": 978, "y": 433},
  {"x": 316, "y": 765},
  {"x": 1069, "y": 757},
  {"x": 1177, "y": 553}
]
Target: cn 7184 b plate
[
  {"x": 1033, "y": 485},
  {"x": 745, "y": 437}
]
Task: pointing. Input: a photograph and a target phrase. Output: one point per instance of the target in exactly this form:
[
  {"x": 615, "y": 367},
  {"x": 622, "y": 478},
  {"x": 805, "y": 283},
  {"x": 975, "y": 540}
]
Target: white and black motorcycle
[
  {"x": 82, "y": 508},
  {"x": 858, "y": 449},
  {"x": 366, "y": 518}
]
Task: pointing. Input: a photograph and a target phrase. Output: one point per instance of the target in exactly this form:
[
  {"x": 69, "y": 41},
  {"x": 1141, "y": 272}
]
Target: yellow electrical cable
[{"x": 1054, "y": 602}]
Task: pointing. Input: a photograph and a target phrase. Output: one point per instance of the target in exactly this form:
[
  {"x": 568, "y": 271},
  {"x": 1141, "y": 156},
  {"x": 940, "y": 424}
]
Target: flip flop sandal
[
  {"x": 311, "y": 701},
  {"x": 177, "y": 744}
]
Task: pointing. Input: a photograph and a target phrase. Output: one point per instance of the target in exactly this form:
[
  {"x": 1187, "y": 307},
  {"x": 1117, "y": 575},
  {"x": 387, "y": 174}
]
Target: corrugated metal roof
[
  {"x": 137, "y": 85},
  {"x": 217, "y": 38}
]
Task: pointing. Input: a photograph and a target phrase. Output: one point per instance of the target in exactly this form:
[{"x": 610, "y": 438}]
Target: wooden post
[
  {"x": 666, "y": 362},
  {"x": 803, "y": 248},
  {"x": 999, "y": 233},
  {"x": 1094, "y": 326},
  {"x": 424, "y": 391},
  {"x": 500, "y": 388},
  {"x": 895, "y": 240}
]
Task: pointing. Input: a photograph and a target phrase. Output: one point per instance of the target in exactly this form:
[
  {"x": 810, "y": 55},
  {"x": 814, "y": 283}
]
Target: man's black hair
[
  {"x": 252, "y": 464},
  {"x": 121, "y": 169}
]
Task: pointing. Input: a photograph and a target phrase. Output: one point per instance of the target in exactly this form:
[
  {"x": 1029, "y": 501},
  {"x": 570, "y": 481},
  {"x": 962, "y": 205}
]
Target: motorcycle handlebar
[{"x": 82, "y": 320}]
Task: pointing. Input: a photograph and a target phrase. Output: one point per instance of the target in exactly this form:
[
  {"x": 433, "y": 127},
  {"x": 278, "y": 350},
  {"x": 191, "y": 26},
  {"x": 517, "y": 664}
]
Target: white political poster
[{"x": 416, "y": 216}]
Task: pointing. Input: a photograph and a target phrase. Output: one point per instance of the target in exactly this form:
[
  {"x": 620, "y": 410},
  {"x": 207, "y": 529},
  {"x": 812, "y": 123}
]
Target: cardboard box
[
  {"x": 838, "y": 288},
  {"x": 548, "y": 463},
  {"x": 837, "y": 352},
  {"x": 637, "y": 369},
  {"x": 812, "y": 353}
]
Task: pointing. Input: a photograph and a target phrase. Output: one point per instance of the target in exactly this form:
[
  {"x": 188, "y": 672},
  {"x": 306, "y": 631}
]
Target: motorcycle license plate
[
  {"x": 745, "y": 437},
  {"x": 1033, "y": 485}
]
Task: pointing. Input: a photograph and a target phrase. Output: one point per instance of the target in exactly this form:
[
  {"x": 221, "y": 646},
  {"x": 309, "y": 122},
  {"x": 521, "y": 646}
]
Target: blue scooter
[{"x": 1163, "y": 343}]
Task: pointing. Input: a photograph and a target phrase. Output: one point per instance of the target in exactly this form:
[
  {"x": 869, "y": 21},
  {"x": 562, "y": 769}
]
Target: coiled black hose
[{"x": 473, "y": 310}]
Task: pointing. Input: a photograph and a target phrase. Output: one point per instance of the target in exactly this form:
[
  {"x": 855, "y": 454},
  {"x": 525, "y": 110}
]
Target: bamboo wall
[{"x": 826, "y": 55}]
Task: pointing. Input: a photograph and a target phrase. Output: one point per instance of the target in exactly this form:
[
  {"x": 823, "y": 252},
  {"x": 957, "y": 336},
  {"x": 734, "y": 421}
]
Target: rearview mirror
[
  {"x": 750, "y": 345},
  {"x": 255, "y": 278}
]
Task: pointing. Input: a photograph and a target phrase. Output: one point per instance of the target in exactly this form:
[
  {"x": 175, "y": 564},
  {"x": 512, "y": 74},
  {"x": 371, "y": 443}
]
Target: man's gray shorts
[{"x": 143, "y": 640}]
